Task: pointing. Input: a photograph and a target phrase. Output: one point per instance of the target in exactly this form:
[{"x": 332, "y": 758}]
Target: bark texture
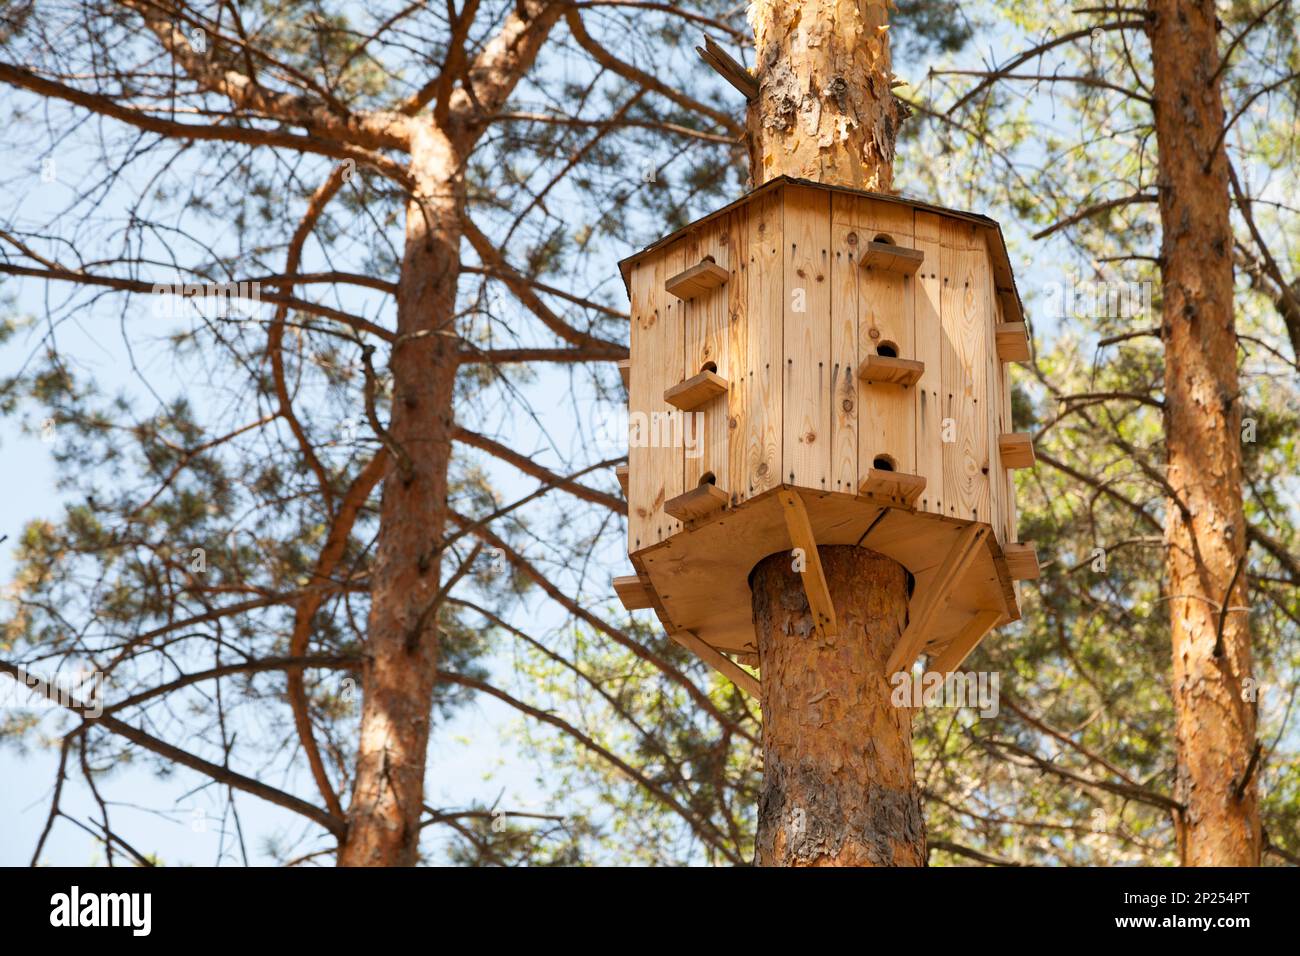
[
  {"x": 838, "y": 782},
  {"x": 1204, "y": 526},
  {"x": 825, "y": 110},
  {"x": 402, "y": 646}
]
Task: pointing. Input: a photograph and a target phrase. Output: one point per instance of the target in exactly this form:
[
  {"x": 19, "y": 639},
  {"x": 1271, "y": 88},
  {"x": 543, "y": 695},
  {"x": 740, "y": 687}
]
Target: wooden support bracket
[
  {"x": 1022, "y": 561},
  {"x": 697, "y": 280},
  {"x": 625, "y": 373},
  {"x": 621, "y": 473},
  {"x": 719, "y": 662},
  {"x": 928, "y": 602},
  {"x": 959, "y": 648},
  {"x": 1016, "y": 449},
  {"x": 1012, "y": 341},
  {"x": 891, "y": 258},
  {"x": 697, "y": 503},
  {"x": 887, "y": 370},
  {"x": 814, "y": 578},
  {"x": 894, "y": 488},
  {"x": 696, "y": 391},
  {"x": 633, "y": 592}
]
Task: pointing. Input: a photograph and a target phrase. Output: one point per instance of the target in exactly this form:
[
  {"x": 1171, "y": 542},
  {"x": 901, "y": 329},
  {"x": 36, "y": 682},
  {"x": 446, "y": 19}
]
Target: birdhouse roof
[{"x": 1003, "y": 275}]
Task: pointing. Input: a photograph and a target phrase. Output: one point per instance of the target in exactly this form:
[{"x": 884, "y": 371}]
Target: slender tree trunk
[
  {"x": 402, "y": 647},
  {"x": 825, "y": 111},
  {"x": 838, "y": 782},
  {"x": 1204, "y": 526}
]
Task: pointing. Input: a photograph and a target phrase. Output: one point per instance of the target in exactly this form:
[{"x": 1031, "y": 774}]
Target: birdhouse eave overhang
[{"x": 1004, "y": 275}]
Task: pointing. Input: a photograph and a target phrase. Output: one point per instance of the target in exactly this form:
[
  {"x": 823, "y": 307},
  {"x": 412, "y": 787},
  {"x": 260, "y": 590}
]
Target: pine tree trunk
[
  {"x": 825, "y": 111},
  {"x": 1204, "y": 527},
  {"x": 838, "y": 781},
  {"x": 402, "y": 646}
]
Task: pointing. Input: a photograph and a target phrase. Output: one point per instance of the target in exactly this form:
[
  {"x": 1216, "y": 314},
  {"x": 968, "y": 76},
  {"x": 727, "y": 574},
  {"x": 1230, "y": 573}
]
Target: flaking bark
[
  {"x": 838, "y": 781},
  {"x": 1205, "y": 526}
]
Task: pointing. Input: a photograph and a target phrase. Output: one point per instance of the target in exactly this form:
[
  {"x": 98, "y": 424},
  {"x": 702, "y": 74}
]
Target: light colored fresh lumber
[
  {"x": 625, "y": 373},
  {"x": 893, "y": 487},
  {"x": 632, "y": 591},
  {"x": 1016, "y": 449},
  {"x": 1013, "y": 341},
  {"x": 696, "y": 391},
  {"x": 1022, "y": 561},
  {"x": 960, "y": 647},
  {"x": 699, "y": 502},
  {"x": 887, "y": 370},
  {"x": 620, "y": 472},
  {"x": 928, "y": 601},
  {"x": 720, "y": 663},
  {"x": 891, "y": 258},
  {"x": 814, "y": 578},
  {"x": 696, "y": 280}
]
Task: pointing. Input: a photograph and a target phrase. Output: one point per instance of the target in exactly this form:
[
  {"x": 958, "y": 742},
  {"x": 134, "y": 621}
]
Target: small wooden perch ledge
[
  {"x": 887, "y": 370},
  {"x": 1016, "y": 449},
  {"x": 891, "y": 258},
  {"x": 697, "y": 280},
  {"x": 1013, "y": 341},
  {"x": 633, "y": 592},
  {"x": 697, "y": 503},
  {"x": 1022, "y": 561},
  {"x": 893, "y": 487},
  {"x": 696, "y": 391}
]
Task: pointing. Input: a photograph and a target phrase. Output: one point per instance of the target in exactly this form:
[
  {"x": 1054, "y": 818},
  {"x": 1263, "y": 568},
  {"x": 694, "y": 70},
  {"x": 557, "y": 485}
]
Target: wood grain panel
[
  {"x": 930, "y": 348},
  {"x": 845, "y": 399},
  {"x": 886, "y": 424},
  {"x": 806, "y": 391},
  {"x": 965, "y": 394},
  {"x": 738, "y": 377},
  {"x": 707, "y": 343},
  {"x": 764, "y": 346}
]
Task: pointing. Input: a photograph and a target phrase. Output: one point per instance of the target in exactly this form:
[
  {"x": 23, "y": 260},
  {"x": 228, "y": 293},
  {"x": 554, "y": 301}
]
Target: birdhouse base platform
[{"x": 698, "y": 580}]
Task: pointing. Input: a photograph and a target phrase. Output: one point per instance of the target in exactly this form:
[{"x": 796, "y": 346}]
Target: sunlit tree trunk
[
  {"x": 402, "y": 646},
  {"x": 825, "y": 111},
  {"x": 838, "y": 781},
  {"x": 1204, "y": 525}
]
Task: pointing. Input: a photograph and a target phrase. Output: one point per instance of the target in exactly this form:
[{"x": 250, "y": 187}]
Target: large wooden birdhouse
[{"x": 813, "y": 365}]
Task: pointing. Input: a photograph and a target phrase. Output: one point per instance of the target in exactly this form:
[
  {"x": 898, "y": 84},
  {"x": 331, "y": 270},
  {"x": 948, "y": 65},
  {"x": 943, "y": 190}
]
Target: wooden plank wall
[
  {"x": 795, "y": 411},
  {"x": 654, "y": 459},
  {"x": 886, "y": 307},
  {"x": 706, "y": 335},
  {"x": 737, "y": 374},
  {"x": 966, "y": 463},
  {"x": 845, "y": 401},
  {"x": 930, "y": 349},
  {"x": 764, "y": 345},
  {"x": 807, "y": 390}
]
